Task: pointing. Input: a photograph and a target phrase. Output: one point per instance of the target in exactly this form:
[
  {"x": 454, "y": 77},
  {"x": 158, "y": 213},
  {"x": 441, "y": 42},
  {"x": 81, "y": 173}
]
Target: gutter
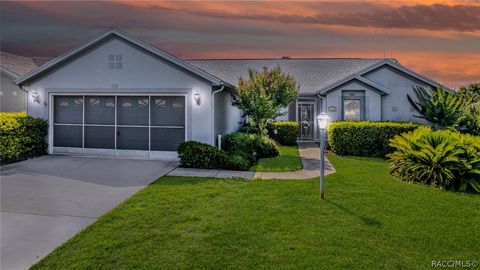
[{"x": 213, "y": 112}]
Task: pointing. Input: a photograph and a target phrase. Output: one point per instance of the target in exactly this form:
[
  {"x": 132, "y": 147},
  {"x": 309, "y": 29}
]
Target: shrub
[
  {"x": 364, "y": 138},
  {"x": 236, "y": 162},
  {"x": 250, "y": 146},
  {"x": 287, "y": 132},
  {"x": 21, "y": 137},
  {"x": 443, "y": 158},
  {"x": 199, "y": 155}
]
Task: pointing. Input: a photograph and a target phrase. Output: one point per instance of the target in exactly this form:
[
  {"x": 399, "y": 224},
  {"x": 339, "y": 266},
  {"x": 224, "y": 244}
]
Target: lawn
[
  {"x": 287, "y": 161},
  {"x": 368, "y": 220}
]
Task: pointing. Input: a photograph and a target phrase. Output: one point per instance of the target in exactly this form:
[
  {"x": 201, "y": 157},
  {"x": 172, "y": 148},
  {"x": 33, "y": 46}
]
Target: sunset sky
[{"x": 439, "y": 39}]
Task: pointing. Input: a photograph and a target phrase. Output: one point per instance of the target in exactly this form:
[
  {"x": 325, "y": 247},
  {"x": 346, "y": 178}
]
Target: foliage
[
  {"x": 264, "y": 94},
  {"x": 364, "y": 138},
  {"x": 199, "y": 155},
  {"x": 21, "y": 137},
  {"x": 442, "y": 158},
  {"x": 470, "y": 123},
  {"x": 287, "y": 132},
  {"x": 473, "y": 88},
  {"x": 250, "y": 146},
  {"x": 438, "y": 106},
  {"x": 236, "y": 162}
]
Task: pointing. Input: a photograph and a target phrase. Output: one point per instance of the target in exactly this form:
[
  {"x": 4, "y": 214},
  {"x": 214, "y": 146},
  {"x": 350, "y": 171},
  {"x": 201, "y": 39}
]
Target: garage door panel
[
  {"x": 132, "y": 110},
  {"x": 132, "y": 138},
  {"x": 67, "y": 136},
  {"x": 100, "y": 110},
  {"x": 68, "y": 110},
  {"x": 166, "y": 139},
  {"x": 100, "y": 137},
  {"x": 168, "y": 111}
]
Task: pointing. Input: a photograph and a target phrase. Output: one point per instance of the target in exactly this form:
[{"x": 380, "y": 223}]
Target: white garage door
[{"x": 145, "y": 123}]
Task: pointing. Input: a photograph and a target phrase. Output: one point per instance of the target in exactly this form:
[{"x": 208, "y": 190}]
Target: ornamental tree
[{"x": 264, "y": 94}]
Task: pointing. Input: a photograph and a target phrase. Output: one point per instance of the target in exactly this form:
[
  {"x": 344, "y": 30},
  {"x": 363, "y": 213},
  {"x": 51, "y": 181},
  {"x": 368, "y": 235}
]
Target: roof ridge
[{"x": 290, "y": 58}]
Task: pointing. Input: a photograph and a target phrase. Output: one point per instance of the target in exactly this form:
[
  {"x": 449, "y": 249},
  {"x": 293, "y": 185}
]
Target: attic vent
[
  {"x": 115, "y": 61},
  {"x": 285, "y": 57}
]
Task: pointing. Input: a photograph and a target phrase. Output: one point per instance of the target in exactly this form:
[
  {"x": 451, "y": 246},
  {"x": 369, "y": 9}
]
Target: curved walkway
[{"x": 309, "y": 153}]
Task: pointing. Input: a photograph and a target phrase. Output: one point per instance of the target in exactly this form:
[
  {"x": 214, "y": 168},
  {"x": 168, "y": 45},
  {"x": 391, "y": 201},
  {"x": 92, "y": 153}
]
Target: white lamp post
[{"x": 323, "y": 120}]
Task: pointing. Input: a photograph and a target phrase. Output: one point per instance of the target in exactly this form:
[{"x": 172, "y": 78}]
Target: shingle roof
[
  {"x": 40, "y": 60},
  {"x": 312, "y": 74},
  {"x": 17, "y": 64}
]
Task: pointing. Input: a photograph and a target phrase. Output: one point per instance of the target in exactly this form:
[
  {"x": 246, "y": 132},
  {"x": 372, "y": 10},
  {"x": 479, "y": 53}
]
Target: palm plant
[{"x": 442, "y": 108}]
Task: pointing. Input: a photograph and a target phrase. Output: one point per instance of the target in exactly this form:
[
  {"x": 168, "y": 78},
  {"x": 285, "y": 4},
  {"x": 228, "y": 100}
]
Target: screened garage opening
[{"x": 117, "y": 123}]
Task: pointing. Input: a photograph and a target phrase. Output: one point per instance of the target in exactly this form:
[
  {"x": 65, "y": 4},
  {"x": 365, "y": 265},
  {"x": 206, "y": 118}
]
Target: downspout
[
  {"x": 213, "y": 112},
  {"x": 321, "y": 103}
]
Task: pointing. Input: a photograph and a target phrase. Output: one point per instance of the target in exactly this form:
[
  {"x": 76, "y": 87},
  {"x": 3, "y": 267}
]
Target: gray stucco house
[{"x": 116, "y": 95}]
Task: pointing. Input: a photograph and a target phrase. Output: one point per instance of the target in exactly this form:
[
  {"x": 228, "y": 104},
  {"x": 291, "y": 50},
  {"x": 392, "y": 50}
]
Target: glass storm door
[{"x": 306, "y": 120}]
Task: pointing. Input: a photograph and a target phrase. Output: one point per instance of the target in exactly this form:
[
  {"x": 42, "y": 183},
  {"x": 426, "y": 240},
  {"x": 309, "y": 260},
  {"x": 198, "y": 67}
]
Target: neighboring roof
[
  {"x": 312, "y": 74},
  {"x": 16, "y": 65},
  {"x": 131, "y": 39}
]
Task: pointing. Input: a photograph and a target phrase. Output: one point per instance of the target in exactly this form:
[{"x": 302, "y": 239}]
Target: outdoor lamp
[
  {"x": 323, "y": 120},
  {"x": 196, "y": 97},
  {"x": 35, "y": 96}
]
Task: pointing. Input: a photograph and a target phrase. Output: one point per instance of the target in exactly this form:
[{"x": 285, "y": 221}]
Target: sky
[{"x": 439, "y": 39}]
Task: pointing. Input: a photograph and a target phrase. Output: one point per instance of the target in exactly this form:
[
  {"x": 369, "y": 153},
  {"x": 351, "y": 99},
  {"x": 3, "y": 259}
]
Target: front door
[{"x": 306, "y": 119}]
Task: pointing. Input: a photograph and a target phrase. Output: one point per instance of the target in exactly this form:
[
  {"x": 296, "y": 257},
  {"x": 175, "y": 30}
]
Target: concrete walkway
[
  {"x": 309, "y": 154},
  {"x": 47, "y": 200}
]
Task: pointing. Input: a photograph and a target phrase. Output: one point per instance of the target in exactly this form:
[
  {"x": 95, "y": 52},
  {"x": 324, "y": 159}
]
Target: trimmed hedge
[
  {"x": 199, "y": 155},
  {"x": 287, "y": 132},
  {"x": 365, "y": 138},
  {"x": 21, "y": 137},
  {"x": 250, "y": 146}
]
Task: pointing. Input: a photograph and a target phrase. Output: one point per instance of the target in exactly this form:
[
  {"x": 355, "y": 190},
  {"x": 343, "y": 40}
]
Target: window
[
  {"x": 115, "y": 61},
  {"x": 351, "y": 109}
]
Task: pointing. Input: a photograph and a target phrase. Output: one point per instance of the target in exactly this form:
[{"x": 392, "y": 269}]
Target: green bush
[
  {"x": 250, "y": 146},
  {"x": 236, "y": 162},
  {"x": 287, "y": 132},
  {"x": 365, "y": 138},
  {"x": 199, "y": 155},
  {"x": 21, "y": 137},
  {"x": 442, "y": 158}
]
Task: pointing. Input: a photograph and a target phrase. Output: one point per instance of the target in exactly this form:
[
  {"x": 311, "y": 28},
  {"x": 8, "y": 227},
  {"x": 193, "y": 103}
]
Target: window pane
[
  {"x": 168, "y": 111},
  {"x": 100, "y": 137},
  {"x": 166, "y": 139},
  {"x": 68, "y": 109},
  {"x": 67, "y": 136},
  {"x": 132, "y": 111},
  {"x": 133, "y": 138},
  {"x": 100, "y": 110},
  {"x": 351, "y": 109}
]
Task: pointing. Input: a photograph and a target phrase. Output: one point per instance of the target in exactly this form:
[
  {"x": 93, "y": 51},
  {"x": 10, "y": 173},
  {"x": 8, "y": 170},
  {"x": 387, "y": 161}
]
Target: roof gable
[{"x": 126, "y": 37}]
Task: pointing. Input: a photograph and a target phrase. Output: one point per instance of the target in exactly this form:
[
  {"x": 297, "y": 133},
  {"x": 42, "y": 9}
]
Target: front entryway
[
  {"x": 306, "y": 120},
  {"x": 113, "y": 125}
]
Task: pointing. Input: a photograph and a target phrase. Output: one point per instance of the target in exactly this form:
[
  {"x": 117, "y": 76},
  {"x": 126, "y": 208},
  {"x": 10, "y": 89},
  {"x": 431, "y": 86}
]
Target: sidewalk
[{"x": 309, "y": 153}]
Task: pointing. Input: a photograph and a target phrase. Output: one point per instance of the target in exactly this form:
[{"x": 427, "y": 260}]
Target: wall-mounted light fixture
[
  {"x": 196, "y": 97},
  {"x": 35, "y": 96}
]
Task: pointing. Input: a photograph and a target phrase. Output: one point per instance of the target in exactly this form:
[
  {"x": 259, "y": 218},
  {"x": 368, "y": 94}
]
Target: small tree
[{"x": 264, "y": 94}]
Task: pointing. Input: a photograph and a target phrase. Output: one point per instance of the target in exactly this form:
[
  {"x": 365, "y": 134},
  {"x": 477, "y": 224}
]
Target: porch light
[
  {"x": 323, "y": 120},
  {"x": 35, "y": 96},
  {"x": 196, "y": 97}
]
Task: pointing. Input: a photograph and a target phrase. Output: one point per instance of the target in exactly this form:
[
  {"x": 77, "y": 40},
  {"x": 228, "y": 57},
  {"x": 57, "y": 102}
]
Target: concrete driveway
[{"x": 47, "y": 200}]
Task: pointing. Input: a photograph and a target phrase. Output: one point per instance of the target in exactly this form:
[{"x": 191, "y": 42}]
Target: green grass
[
  {"x": 287, "y": 161},
  {"x": 369, "y": 220}
]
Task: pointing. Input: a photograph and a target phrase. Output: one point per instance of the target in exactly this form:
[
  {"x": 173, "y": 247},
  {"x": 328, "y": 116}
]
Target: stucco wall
[
  {"x": 395, "y": 106},
  {"x": 142, "y": 72},
  {"x": 228, "y": 118},
  {"x": 12, "y": 97}
]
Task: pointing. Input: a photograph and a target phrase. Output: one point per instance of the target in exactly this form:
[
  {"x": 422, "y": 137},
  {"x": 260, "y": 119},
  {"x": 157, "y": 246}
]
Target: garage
[{"x": 117, "y": 125}]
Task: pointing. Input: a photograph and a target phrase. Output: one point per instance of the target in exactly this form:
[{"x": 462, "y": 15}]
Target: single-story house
[
  {"x": 12, "y": 97},
  {"x": 116, "y": 95}
]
